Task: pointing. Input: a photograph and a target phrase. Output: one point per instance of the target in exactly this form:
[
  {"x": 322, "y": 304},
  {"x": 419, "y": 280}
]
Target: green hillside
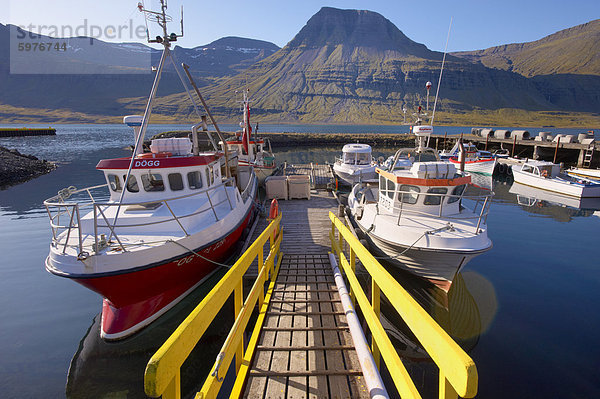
[{"x": 571, "y": 51}]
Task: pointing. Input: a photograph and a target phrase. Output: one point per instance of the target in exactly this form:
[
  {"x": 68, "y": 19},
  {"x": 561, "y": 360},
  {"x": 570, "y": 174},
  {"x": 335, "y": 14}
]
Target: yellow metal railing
[
  {"x": 458, "y": 374},
  {"x": 162, "y": 375}
]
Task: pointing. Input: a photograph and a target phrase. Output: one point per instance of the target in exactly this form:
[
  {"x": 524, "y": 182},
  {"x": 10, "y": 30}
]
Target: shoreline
[{"x": 16, "y": 168}]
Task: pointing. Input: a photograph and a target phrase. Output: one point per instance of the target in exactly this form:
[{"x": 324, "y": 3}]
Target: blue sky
[{"x": 477, "y": 24}]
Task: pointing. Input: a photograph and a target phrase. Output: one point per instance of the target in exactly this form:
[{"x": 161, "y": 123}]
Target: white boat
[
  {"x": 476, "y": 161},
  {"x": 251, "y": 150},
  {"x": 160, "y": 226},
  {"x": 416, "y": 218},
  {"x": 356, "y": 164},
  {"x": 534, "y": 197},
  {"x": 547, "y": 176},
  {"x": 593, "y": 174}
]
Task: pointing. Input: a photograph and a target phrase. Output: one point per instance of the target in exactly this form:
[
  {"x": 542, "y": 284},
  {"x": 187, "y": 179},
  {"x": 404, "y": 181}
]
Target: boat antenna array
[
  {"x": 161, "y": 18},
  {"x": 437, "y": 91}
]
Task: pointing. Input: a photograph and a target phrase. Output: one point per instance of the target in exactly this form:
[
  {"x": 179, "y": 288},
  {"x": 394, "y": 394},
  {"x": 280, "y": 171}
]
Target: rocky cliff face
[{"x": 356, "y": 66}]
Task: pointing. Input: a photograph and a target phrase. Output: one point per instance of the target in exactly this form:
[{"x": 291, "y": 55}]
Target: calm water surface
[{"x": 526, "y": 311}]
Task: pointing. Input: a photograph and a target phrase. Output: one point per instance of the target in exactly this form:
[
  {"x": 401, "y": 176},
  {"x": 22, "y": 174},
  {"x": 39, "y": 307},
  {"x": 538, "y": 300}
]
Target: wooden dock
[
  {"x": 305, "y": 349},
  {"x": 23, "y": 131},
  {"x": 321, "y": 175}
]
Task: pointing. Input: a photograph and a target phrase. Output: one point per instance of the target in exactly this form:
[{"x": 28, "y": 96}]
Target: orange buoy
[{"x": 274, "y": 209}]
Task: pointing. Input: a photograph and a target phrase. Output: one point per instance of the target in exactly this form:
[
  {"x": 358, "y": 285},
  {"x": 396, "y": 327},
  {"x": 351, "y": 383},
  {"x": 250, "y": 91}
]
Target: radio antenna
[{"x": 437, "y": 91}]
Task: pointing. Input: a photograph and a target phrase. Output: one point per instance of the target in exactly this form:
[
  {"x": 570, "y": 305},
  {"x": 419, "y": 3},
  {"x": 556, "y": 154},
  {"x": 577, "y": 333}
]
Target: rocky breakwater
[
  {"x": 17, "y": 168},
  {"x": 294, "y": 139}
]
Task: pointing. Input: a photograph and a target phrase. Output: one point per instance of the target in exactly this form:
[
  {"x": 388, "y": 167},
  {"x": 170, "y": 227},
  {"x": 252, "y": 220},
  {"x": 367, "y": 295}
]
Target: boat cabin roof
[
  {"x": 357, "y": 148},
  {"x": 434, "y": 174},
  {"x": 158, "y": 160}
]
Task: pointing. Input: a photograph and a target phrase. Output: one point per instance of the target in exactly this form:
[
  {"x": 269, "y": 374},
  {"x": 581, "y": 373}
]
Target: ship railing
[
  {"x": 249, "y": 186},
  {"x": 163, "y": 372},
  {"x": 66, "y": 216},
  {"x": 480, "y": 209},
  {"x": 457, "y": 371}
]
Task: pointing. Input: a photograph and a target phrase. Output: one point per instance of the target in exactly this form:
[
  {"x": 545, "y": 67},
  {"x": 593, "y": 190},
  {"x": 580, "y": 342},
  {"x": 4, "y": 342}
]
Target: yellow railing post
[
  {"x": 332, "y": 235},
  {"x": 458, "y": 373},
  {"x": 239, "y": 303},
  {"x": 162, "y": 375},
  {"x": 375, "y": 296},
  {"x": 446, "y": 390},
  {"x": 173, "y": 390}
]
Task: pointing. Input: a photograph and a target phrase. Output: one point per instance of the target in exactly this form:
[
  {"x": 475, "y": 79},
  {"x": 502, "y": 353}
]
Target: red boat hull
[{"x": 134, "y": 299}]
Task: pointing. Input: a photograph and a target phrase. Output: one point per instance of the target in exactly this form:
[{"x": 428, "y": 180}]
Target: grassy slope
[{"x": 571, "y": 51}]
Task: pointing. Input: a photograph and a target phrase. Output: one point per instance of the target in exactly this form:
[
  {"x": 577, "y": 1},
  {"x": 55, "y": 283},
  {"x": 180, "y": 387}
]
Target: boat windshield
[{"x": 355, "y": 158}]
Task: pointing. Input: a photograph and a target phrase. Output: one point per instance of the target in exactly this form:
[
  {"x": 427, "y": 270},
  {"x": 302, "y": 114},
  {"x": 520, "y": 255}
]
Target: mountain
[
  {"x": 354, "y": 66},
  {"x": 94, "y": 77},
  {"x": 343, "y": 66},
  {"x": 571, "y": 51}
]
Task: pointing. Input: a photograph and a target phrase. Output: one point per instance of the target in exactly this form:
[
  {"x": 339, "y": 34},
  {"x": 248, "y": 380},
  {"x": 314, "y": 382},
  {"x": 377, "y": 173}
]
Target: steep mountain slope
[
  {"x": 113, "y": 71},
  {"x": 571, "y": 51},
  {"x": 356, "y": 66}
]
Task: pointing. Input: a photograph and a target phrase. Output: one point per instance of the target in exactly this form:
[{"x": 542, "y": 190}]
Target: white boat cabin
[
  {"x": 541, "y": 169},
  {"x": 356, "y": 154},
  {"x": 423, "y": 187},
  {"x": 162, "y": 174}
]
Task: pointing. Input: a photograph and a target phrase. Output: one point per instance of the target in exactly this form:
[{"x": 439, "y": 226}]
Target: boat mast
[{"x": 437, "y": 91}]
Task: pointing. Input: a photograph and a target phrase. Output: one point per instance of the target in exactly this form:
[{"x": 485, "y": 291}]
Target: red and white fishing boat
[
  {"x": 160, "y": 226},
  {"x": 475, "y": 161},
  {"x": 252, "y": 151}
]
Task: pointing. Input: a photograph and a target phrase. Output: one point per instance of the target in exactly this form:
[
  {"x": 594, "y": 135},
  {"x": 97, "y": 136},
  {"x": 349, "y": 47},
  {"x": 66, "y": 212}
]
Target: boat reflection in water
[
  {"x": 101, "y": 369},
  {"x": 560, "y": 207},
  {"x": 464, "y": 312}
]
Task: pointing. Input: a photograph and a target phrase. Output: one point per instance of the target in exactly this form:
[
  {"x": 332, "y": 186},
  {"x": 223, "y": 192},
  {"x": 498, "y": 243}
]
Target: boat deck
[
  {"x": 305, "y": 348},
  {"x": 321, "y": 175}
]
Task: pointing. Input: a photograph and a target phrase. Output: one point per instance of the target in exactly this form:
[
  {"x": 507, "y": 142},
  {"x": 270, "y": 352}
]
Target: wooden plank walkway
[
  {"x": 305, "y": 349},
  {"x": 321, "y": 175}
]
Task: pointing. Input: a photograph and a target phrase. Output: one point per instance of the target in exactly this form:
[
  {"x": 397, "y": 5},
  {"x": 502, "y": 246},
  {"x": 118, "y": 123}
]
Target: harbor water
[{"x": 525, "y": 311}]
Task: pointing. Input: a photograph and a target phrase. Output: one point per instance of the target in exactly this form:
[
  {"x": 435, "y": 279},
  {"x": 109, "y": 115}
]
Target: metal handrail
[
  {"x": 163, "y": 372},
  {"x": 76, "y": 207},
  {"x": 457, "y": 371}
]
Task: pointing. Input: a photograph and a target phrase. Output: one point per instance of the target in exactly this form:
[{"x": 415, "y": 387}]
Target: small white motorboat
[
  {"x": 476, "y": 161},
  {"x": 547, "y": 176},
  {"x": 356, "y": 164},
  {"x": 416, "y": 218},
  {"x": 593, "y": 174}
]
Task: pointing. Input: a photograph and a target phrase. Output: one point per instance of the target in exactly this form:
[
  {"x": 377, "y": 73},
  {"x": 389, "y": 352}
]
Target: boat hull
[
  {"x": 573, "y": 189},
  {"x": 135, "y": 298},
  {"x": 482, "y": 166},
  {"x": 352, "y": 176},
  {"x": 438, "y": 266}
]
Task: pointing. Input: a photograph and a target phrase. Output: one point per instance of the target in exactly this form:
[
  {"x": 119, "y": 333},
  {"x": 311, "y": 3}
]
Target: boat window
[
  {"x": 435, "y": 199},
  {"x": 194, "y": 180},
  {"x": 409, "y": 194},
  {"x": 212, "y": 175},
  {"x": 153, "y": 182},
  {"x": 364, "y": 159},
  {"x": 391, "y": 186},
  {"x": 175, "y": 181},
  {"x": 382, "y": 186},
  {"x": 132, "y": 185},
  {"x": 349, "y": 158},
  {"x": 456, "y": 193},
  {"x": 527, "y": 168},
  {"x": 114, "y": 183}
]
